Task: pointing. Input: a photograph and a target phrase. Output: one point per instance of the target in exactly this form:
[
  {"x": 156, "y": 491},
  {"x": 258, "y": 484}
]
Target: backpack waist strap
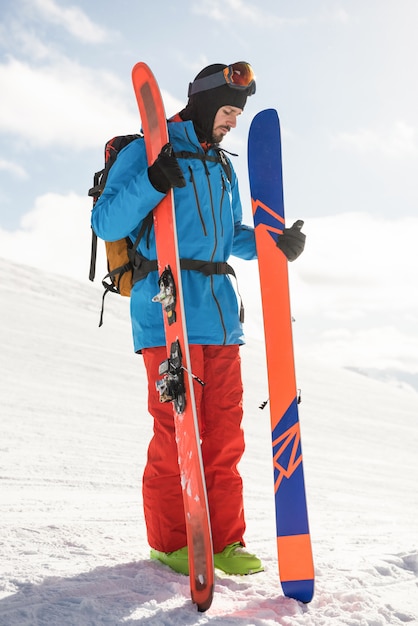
[{"x": 142, "y": 267}]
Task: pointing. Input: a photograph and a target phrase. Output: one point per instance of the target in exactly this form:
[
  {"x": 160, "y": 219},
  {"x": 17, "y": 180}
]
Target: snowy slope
[{"x": 74, "y": 433}]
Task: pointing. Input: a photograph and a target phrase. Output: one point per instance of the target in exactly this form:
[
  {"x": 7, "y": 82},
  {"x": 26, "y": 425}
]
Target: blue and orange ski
[
  {"x": 294, "y": 549},
  {"x": 177, "y": 382}
]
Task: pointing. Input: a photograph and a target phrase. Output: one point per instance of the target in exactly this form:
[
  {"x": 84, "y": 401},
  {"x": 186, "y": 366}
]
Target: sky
[{"x": 342, "y": 75}]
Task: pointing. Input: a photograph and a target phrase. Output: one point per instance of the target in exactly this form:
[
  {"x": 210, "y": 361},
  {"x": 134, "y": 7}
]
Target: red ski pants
[{"x": 219, "y": 408}]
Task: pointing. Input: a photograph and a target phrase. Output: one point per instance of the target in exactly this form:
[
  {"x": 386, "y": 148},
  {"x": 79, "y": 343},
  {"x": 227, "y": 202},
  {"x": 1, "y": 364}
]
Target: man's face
[{"x": 225, "y": 119}]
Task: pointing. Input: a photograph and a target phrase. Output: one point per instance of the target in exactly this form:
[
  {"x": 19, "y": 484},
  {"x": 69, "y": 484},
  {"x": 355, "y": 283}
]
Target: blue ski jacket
[{"x": 208, "y": 217}]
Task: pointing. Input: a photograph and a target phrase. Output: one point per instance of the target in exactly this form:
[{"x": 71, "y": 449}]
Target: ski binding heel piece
[
  {"x": 171, "y": 386},
  {"x": 167, "y": 294}
]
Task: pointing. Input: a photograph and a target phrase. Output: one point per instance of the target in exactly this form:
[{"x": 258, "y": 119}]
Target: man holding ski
[{"x": 209, "y": 231}]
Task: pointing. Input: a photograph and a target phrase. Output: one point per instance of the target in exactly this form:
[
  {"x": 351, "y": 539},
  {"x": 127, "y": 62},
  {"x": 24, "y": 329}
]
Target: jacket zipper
[
  {"x": 221, "y": 203},
  {"x": 192, "y": 180},
  {"x": 196, "y": 195},
  {"x": 221, "y": 317}
]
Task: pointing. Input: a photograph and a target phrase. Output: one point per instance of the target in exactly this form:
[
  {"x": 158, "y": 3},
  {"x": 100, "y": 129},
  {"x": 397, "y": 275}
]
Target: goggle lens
[{"x": 240, "y": 74}]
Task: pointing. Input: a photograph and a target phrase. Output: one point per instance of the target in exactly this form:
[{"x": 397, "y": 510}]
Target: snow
[{"x": 74, "y": 436}]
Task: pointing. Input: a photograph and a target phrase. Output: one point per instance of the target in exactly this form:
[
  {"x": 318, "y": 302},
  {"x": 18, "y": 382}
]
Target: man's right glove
[
  {"x": 292, "y": 241},
  {"x": 165, "y": 172}
]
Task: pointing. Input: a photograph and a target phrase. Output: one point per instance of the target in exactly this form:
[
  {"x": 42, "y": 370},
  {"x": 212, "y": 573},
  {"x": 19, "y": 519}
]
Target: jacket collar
[{"x": 188, "y": 130}]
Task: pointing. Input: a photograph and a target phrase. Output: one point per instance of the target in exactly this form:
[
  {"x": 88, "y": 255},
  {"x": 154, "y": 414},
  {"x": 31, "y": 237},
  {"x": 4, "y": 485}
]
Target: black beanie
[{"x": 203, "y": 105}]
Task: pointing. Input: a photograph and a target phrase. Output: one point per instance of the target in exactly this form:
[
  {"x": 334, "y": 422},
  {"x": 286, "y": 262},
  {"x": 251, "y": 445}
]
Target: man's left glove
[
  {"x": 165, "y": 172},
  {"x": 292, "y": 241}
]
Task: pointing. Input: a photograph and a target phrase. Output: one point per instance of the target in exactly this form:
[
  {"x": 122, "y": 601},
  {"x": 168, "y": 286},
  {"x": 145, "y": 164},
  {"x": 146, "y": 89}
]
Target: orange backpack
[{"x": 120, "y": 254}]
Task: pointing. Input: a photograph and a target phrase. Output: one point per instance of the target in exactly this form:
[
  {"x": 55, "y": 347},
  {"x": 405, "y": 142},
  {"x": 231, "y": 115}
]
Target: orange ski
[{"x": 177, "y": 368}]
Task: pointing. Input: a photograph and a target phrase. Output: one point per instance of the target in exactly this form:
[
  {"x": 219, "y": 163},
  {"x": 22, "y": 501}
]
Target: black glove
[
  {"x": 292, "y": 241},
  {"x": 165, "y": 172}
]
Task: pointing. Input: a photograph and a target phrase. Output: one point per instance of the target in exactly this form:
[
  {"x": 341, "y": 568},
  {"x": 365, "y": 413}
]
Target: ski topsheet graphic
[
  {"x": 293, "y": 539},
  {"x": 177, "y": 382}
]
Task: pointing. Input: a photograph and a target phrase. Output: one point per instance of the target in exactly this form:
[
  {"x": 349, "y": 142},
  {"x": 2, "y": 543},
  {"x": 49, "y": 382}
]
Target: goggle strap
[
  {"x": 241, "y": 70},
  {"x": 206, "y": 83}
]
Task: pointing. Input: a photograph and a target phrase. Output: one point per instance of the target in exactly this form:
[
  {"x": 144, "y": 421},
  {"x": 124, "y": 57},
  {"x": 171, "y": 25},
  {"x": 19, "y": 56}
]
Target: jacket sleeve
[
  {"x": 127, "y": 197},
  {"x": 244, "y": 242},
  {"x": 243, "y": 245}
]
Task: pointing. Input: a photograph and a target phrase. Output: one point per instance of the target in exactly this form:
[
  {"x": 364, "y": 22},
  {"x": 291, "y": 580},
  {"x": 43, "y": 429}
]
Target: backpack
[
  {"x": 116, "y": 251},
  {"x": 125, "y": 265},
  {"x": 120, "y": 254}
]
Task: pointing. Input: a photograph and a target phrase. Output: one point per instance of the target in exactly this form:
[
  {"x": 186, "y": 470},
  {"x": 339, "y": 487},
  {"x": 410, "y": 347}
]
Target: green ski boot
[
  {"x": 177, "y": 560},
  {"x": 234, "y": 559}
]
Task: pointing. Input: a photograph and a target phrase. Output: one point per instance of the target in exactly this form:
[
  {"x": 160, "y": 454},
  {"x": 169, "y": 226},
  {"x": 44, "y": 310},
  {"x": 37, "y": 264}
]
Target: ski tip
[
  {"x": 302, "y": 590},
  {"x": 141, "y": 70},
  {"x": 267, "y": 114},
  {"x": 140, "y": 65}
]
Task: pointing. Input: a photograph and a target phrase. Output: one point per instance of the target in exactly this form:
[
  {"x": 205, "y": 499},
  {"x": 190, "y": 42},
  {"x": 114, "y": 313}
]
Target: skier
[{"x": 208, "y": 216}]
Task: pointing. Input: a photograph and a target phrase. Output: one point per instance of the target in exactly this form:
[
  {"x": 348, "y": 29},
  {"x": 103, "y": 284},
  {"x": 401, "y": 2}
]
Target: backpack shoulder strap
[
  {"x": 202, "y": 156},
  {"x": 111, "y": 151},
  {"x": 146, "y": 226},
  {"x": 225, "y": 162}
]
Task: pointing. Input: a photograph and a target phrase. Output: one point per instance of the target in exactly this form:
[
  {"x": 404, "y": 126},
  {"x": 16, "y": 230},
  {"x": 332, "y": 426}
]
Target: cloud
[
  {"x": 69, "y": 105},
  {"x": 227, "y": 11},
  {"x": 397, "y": 142},
  {"x": 18, "y": 39},
  {"x": 13, "y": 168},
  {"x": 355, "y": 260},
  {"x": 54, "y": 236},
  {"x": 334, "y": 14},
  {"x": 72, "y": 19},
  {"x": 353, "y": 291}
]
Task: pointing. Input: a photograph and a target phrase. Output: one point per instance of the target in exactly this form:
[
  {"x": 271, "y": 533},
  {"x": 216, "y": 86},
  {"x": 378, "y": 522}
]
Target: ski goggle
[{"x": 237, "y": 76}]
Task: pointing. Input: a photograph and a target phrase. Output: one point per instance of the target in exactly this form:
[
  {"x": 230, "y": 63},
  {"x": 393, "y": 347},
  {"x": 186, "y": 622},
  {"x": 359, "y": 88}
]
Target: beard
[{"x": 219, "y": 133}]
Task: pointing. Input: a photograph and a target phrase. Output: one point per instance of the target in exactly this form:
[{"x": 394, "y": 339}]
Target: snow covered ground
[{"x": 74, "y": 433}]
